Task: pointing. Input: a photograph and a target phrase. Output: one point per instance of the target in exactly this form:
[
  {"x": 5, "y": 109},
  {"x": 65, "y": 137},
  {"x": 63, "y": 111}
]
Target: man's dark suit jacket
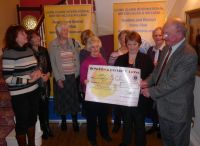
[{"x": 174, "y": 91}]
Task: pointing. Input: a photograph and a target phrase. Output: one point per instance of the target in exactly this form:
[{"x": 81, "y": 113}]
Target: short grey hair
[
  {"x": 179, "y": 24},
  {"x": 59, "y": 26}
]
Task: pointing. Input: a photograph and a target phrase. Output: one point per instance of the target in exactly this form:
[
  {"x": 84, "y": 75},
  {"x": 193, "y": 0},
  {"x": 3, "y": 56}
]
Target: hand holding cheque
[{"x": 144, "y": 89}]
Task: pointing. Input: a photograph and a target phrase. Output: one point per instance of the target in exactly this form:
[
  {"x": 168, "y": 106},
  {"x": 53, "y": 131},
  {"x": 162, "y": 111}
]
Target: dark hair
[
  {"x": 85, "y": 35},
  {"x": 11, "y": 35},
  {"x": 133, "y": 36},
  {"x": 30, "y": 34}
]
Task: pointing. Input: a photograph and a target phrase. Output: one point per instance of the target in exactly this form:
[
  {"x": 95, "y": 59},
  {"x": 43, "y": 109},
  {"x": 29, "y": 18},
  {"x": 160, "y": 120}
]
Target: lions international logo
[{"x": 135, "y": 78}]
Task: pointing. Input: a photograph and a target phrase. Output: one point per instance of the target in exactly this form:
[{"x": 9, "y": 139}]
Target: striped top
[
  {"x": 17, "y": 65},
  {"x": 54, "y": 51},
  {"x": 68, "y": 62}
]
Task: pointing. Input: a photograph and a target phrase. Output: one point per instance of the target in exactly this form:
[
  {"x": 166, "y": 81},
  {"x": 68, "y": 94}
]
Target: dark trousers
[
  {"x": 175, "y": 134},
  {"x": 44, "y": 112},
  {"x": 134, "y": 116},
  {"x": 96, "y": 112},
  {"x": 25, "y": 107},
  {"x": 151, "y": 112},
  {"x": 117, "y": 112}
]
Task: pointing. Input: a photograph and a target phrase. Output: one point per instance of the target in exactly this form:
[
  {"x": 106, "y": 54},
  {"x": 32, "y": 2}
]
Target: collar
[
  {"x": 18, "y": 48},
  {"x": 160, "y": 48},
  {"x": 177, "y": 45}
]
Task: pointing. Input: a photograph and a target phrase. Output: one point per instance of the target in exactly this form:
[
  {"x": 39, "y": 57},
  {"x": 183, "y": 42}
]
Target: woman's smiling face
[{"x": 94, "y": 48}]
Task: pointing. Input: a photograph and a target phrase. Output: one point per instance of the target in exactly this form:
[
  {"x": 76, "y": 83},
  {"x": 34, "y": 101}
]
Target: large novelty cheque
[{"x": 113, "y": 85}]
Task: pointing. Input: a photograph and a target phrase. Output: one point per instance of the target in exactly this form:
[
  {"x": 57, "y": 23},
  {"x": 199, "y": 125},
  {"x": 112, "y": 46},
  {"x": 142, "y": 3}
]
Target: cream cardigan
[{"x": 54, "y": 52}]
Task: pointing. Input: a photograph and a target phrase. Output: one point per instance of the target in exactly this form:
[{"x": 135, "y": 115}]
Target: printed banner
[
  {"x": 79, "y": 18},
  {"x": 113, "y": 85},
  {"x": 142, "y": 17}
]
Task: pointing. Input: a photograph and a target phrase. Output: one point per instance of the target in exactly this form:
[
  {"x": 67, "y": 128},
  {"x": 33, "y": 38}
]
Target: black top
[
  {"x": 44, "y": 64},
  {"x": 152, "y": 53},
  {"x": 43, "y": 59},
  {"x": 142, "y": 62}
]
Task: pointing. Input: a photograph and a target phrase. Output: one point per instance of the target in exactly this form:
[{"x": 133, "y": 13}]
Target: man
[{"x": 171, "y": 85}]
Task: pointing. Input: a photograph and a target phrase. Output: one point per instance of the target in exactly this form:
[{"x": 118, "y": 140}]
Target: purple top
[{"x": 84, "y": 68}]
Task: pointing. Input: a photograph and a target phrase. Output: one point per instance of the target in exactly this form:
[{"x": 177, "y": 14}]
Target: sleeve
[
  {"x": 148, "y": 68},
  {"x": 8, "y": 67},
  {"x": 118, "y": 61},
  {"x": 83, "y": 74},
  {"x": 111, "y": 60},
  {"x": 55, "y": 68},
  {"x": 77, "y": 59},
  {"x": 182, "y": 73}
]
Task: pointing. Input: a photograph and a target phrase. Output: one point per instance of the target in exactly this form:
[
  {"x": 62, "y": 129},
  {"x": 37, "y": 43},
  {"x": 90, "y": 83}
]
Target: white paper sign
[{"x": 113, "y": 85}]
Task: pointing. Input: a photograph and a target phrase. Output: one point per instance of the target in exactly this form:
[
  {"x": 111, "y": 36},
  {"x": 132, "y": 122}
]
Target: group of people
[{"x": 167, "y": 73}]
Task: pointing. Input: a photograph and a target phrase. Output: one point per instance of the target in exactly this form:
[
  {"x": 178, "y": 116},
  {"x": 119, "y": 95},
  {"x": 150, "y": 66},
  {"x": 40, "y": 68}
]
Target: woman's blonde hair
[{"x": 92, "y": 40}]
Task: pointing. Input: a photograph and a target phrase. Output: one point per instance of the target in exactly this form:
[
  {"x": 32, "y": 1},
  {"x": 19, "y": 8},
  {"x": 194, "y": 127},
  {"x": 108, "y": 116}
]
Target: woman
[
  {"x": 155, "y": 50},
  {"x": 120, "y": 51},
  {"x": 21, "y": 75},
  {"x": 94, "y": 110},
  {"x": 85, "y": 52},
  {"x": 135, "y": 115},
  {"x": 113, "y": 56},
  {"x": 44, "y": 65},
  {"x": 64, "y": 56}
]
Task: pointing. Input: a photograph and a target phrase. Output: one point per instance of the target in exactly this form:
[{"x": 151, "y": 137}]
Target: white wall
[
  {"x": 195, "y": 132},
  {"x": 8, "y": 16},
  {"x": 181, "y": 6}
]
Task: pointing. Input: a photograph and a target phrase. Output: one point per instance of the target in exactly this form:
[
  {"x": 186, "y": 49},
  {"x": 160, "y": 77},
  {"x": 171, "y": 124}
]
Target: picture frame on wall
[{"x": 193, "y": 34}]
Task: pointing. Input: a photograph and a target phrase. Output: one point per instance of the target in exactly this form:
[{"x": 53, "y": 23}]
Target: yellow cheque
[{"x": 102, "y": 81}]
